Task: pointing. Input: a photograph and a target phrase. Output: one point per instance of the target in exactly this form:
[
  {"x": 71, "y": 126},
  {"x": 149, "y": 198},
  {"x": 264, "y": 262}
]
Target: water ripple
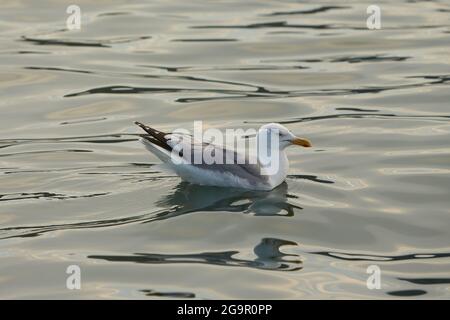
[
  {"x": 371, "y": 115},
  {"x": 179, "y": 295},
  {"x": 260, "y": 92},
  {"x": 45, "y": 195},
  {"x": 105, "y": 43},
  {"x": 309, "y": 11},
  {"x": 381, "y": 258}
]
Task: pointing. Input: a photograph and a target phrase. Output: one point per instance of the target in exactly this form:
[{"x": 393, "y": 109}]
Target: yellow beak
[{"x": 301, "y": 142}]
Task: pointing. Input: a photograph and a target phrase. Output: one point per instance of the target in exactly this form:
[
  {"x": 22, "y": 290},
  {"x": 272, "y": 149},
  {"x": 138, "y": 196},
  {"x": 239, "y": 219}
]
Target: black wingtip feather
[
  {"x": 139, "y": 124},
  {"x": 144, "y": 127},
  {"x": 154, "y": 136}
]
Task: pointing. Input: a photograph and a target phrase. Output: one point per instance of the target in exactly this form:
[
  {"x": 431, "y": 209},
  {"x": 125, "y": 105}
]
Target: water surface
[{"x": 77, "y": 187}]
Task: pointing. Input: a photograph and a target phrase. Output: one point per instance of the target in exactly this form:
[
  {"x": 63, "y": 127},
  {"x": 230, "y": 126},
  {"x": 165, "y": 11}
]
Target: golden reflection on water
[{"x": 77, "y": 187}]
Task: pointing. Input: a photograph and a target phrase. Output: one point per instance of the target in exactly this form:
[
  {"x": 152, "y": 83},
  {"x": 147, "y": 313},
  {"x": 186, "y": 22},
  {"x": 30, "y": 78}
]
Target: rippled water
[{"x": 77, "y": 187}]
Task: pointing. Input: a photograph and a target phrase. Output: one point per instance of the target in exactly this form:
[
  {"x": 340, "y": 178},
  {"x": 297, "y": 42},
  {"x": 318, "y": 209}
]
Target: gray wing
[
  {"x": 192, "y": 151},
  {"x": 222, "y": 159}
]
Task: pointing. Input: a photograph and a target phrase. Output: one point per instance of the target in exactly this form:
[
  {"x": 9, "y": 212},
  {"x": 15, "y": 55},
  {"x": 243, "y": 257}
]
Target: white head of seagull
[
  {"x": 273, "y": 138},
  {"x": 286, "y": 137}
]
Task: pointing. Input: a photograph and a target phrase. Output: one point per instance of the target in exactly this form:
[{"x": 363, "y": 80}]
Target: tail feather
[{"x": 154, "y": 136}]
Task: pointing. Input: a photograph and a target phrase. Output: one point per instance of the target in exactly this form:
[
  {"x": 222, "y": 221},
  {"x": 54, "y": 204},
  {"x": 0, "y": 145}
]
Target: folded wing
[{"x": 193, "y": 152}]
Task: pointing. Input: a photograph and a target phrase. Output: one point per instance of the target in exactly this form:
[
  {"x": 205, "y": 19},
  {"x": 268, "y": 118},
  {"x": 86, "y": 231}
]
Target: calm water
[{"x": 77, "y": 187}]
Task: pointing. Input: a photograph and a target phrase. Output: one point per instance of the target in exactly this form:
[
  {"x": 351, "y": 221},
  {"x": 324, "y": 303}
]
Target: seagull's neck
[
  {"x": 272, "y": 158},
  {"x": 276, "y": 170}
]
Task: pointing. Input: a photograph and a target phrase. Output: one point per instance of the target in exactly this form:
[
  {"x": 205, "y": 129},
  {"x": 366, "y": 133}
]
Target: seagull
[{"x": 261, "y": 174}]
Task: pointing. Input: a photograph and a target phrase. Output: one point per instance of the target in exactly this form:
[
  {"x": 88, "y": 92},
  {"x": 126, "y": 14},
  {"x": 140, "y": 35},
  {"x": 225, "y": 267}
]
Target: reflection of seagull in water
[
  {"x": 246, "y": 175},
  {"x": 268, "y": 256},
  {"x": 189, "y": 198}
]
